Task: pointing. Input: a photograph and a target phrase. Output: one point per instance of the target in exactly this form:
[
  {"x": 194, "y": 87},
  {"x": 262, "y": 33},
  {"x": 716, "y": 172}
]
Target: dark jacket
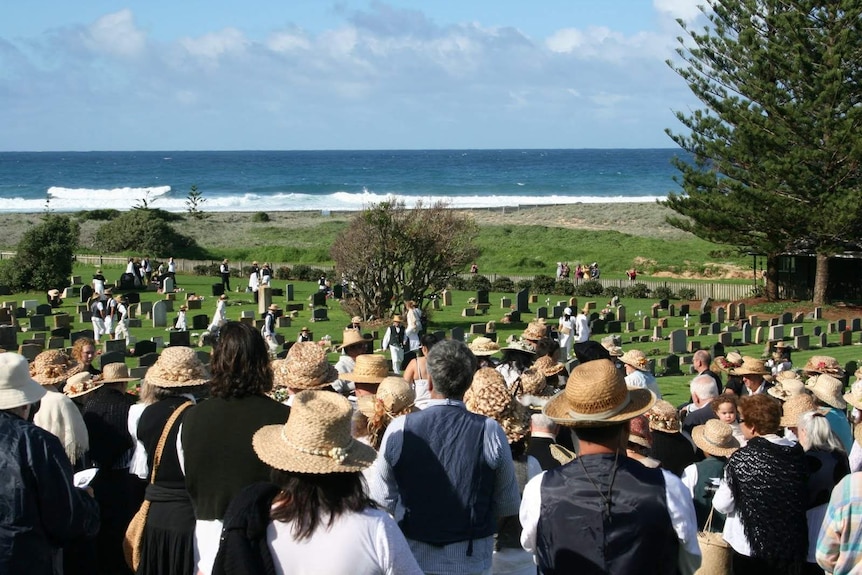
[
  {"x": 243, "y": 549},
  {"x": 40, "y": 509},
  {"x": 540, "y": 448}
]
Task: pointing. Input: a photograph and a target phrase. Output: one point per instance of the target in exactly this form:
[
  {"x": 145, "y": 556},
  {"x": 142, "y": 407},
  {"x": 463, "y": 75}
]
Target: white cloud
[
  {"x": 115, "y": 34},
  {"x": 686, "y": 10},
  {"x": 215, "y": 45},
  {"x": 287, "y": 42}
]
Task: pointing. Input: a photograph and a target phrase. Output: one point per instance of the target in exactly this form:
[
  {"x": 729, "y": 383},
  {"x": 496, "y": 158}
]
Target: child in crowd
[
  {"x": 181, "y": 319},
  {"x": 725, "y": 409}
]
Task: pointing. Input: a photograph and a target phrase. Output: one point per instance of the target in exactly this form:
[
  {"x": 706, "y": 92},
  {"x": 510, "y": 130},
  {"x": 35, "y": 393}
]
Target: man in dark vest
[
  {"x": 450, "y": 470},
  {"x": 604, "y": 513},
  {"x": 224, "y": 271},
  {"x": 395, "y": 339}
]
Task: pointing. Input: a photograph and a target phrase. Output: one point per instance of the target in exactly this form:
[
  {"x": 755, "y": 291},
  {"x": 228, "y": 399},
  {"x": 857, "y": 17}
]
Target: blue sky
[{"x": 303, "y": 74}]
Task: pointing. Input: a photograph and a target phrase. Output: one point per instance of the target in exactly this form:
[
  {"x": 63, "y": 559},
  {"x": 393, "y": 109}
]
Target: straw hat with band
[
  {"x": 394, "y": 395},
  {"x": 351, "y": 337},
  {"x": 854, "y": 396},
  {"x": 52, "y": 367},
  {"x": 177, "y": 366},
  {"x": 306, "y": 367},
  {"x": 664, "y": 417},
  {"x": 828, "y": 390},
  {"x": 17, "y": 388},
  {"x": 823, "y": 364},
  {"x": 81, "y": 384},
  {"x": 794, "y": 407},
  {"x": 316, "y": 438},
  {"x": 273, "y": 307},
  {"x": 751, "y": 366},
  {"x": 786, "y": 387},
  {"x": 116, "y": 373},
  {"x": 535, "y": 331},
  {"x": 547, "y": 366},
  {"x": 715, "y": 438},
  {"x": 596, "y": 395},
  {"x": 483, "y": 346},
  {"x": 721, "y": 363},
  {"x": 368, "y": 368},
  {"x": 635, "y": 358}
]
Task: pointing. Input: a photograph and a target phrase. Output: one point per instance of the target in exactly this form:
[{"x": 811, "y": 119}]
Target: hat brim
[
  {"x": 85, "y": 392},
  {"x": 640, "y": 401},
  {"x": 484, "y": 352},
  {"x": 741, "y": 371},
  {"x": 855, "y": 402},
  {"x": 637, "y": 367},
  {"x": 29, "y": 392},
  {"x": 75, "y": 369},
  {"x": 697, "y": 435},
  {"x": 300, "y": 383},
  {"x": 363, "y": 377},
  {"x": 836, "y": 401},
  {"x": 271, "y": 448},
  {"x": 158, "y": 382}
]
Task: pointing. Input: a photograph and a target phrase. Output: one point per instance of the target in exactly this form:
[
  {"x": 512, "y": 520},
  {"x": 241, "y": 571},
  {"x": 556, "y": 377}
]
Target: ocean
[{"x": 252, "y": 181}]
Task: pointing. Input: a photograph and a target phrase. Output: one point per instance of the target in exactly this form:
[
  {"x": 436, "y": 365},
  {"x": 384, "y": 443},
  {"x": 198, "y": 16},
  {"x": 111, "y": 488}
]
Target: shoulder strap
[{"x": 157, "y": 456}]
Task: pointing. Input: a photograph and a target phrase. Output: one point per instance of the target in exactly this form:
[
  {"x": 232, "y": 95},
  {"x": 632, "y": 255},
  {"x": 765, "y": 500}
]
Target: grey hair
[
  {"x": 818, "y": 433},
  {"x": 704, "y": 387},
  {"x": 540, "y": 421},
  {"x": 451, "y": 366}
]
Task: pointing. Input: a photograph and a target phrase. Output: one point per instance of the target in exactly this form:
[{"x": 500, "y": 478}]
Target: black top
[
  {"x": 540, "y": 448},
  {"x": 150, "y": 427},
  {"x": 106, "y": 414}
]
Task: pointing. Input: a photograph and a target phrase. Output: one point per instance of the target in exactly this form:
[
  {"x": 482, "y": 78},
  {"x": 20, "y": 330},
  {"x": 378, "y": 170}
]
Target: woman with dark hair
[
  {"x": 84, "y": 351},
  {"x": 216, "y": 435},
  {"x": 763, "y": 495},
  {"x": 416, "y": 373},
  {"x": 315, "y": 516}
]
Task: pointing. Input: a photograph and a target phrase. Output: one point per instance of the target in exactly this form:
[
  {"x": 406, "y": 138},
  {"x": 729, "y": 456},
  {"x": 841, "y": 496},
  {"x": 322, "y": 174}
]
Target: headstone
[
  {"x": 657, "y": 333},
  {"x": 716, "y": 350},
  {"x": 823, "y": 340},
  {"x": 5, "y": 315},
  {"x": 145, "y": 308},
  {"x": 144, "y": 347},
  {"x": 29, "y": 304},
  {"x": 671, "y": 310},
  {"x": 477, "y": 329},
  {"x": 573, "y": 303},
  {"x": 514, "y": 316},
  {"x": 799, "y": 317},
  {"x": 44, "y": 309},
  {"x": 29, "y": 350},
  {"x": 832, "y": 327},
  {"x": 505, "y": 302},
  {"x": 818, "y": 313},
  {"x": 842, "y": 324},
  {"x": 200, "y": 321},
  {"x": 182, "y": 338},
  {"x": 62, "y": 320},
  {"x": 655, "y": 310},
  {"x": 856, "y": 324},
  {"x": 818, "y": 330},
  {"x": 663, "y": 322},
  {"x": 112, "y": 345},
  {"x": 56, "y": 342},
  {"x": 61, "y": 332},
  {"x": 786, "y": 318},
  {"x": 76, "y": 335},
  {"x": 801, "y": 342},
  {"x": 613, "y": 326},
  {"x": 725, "y": 338},
  {"x": 704, "y": 330},
  {"x": 663, "y": 304},
  {"x": 289, "y": 291},
  {"x": 320, "y": 314},
  {"x": 534, "y": 298},
  {"x": 159, "y": 341},
  {"x": 447, "y": 297},
  {"x": 731, "y": 311},
  {"x": 482, "y": 296},
  {"x": 720, "y": 315},
  {"x": 677, "y": 341},
  {"x": 8, "y": 337},
  {"x": 630, "y": 327},
  {"x": 693, "y": 346},
  {"x": 705, "y": 318},
  {"x": 542, "y": 313},
  {"x": 522, "y": 299},
  {"x": 645, "y": 322},
  {"x": 457, "y": 333},
  {"x": 168, "y": 285},
  {"x": 746, "y": 333},
  {"x": 706, "y": 305},
  {"x": 435, "y": 304},
  {"x": 160, "y": 314},
  {"x": 37, "y": 323},
  {"x": 597, "y": 326},
  {"x": 558, "y": 311},
  {"x": 776, "y": 332},
  {"x": 338, "y": 291},
  {"x": 714, "y": 328},
  {"x": 86, "y": 294},
  {"x": 846, "y": 337},
  {"x": 194, "y": 304},
  {"x": 774, "y": 321},
  {"x": 796, "y": 330},
  {"x": 670, "y": 364},
  {"x": 590, "y": 305},
  {"x": 470, "y": 312},
  {"x": 760, "y": 335},
  {"x": 282, "y": 321},
  {"x": 621, "y": 313},
  {"x": 684, "y": 309},
  {"x": 264, "y": 298},
  {"x": 112, "y": 357}
]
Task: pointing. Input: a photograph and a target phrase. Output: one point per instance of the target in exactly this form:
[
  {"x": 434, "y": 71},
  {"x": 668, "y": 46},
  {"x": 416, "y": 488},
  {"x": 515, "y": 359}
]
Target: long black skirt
[{"x": 168, "y": 544}]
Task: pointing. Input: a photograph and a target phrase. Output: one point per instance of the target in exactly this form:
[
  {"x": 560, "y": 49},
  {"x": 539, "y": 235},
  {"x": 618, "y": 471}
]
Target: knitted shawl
[
  {"x": 60, "y": 416},
  {"x": 768, "y": 482}
]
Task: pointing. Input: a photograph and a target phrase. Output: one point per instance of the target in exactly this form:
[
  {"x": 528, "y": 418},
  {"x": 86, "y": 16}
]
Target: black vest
[
  {"x": 445, "y": 484},
  {"x": 704, "y": 491},
  {"x": 575, "y": 535}
]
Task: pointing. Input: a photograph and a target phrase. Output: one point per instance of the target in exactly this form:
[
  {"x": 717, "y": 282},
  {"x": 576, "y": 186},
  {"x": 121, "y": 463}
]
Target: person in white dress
[{"x": 566, "y": 331}]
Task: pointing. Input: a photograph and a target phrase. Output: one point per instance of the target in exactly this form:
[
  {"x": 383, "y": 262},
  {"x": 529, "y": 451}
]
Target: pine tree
[{"x": 777, "y": 147}]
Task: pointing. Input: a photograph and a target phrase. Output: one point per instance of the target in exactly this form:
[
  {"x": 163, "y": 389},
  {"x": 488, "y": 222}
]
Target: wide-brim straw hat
[
  {"x": 794, "y": 407},
  {"x": 484, "y": 346},
  {"x": 306, "y": 367},
  {"x": 177, "y": 366},
  {"x": 664, "y": 417},
  {"x": 635, "y": 358},
  {"x": 17, "y": 388},
  {"x": 351, "y": 337},
  {"x": 639, "y": 431},
  {"x": 596, "y": 395},
  {"x": 751, "y": 366},
  {"x": 721, "y": 363},
  {"x": 396, "y": 318},
  {"x": 535, "y": 331},
  {"x": 715, "y": 438},
  {"x": 316, "y": 438},
  {"x": 613, "y": 349},
  {"x": 817, "y": 364},
  {"x": 520, "y": 345},
  {"x": 394, "y": 394},
  {"x": 368, "y": 368},
  {"x": 116, "y": 373},
  {"x": 854, "y": 396},
  {"x": 81, "y": 384},
  {"x": 488, "y": 395},
  {"x": 273, "y": 307},
  {"x": 52, "y": 367},
  {"x": 547, "y": 366},
  {"x": 828, "y": 390},
  {"x": 786, "y": 388}
]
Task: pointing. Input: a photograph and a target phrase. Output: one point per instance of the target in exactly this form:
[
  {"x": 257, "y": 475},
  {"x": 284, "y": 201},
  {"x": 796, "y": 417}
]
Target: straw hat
[
  {"x": 394, "y": 394},
  {"x": 823, "y": 364},
  {"x": 81, "y": 384},
  {"x": 596, "y": 395},
  {"x": 639, "y": 431},
  {"x": 315, "y": 439},
  {"x": 635, "y": 358},
  {"x": 751, "y": 366},
  {"x": 533, "y": 382},
  {"x": 52, "y": 367},
  {"x": 828, "y": 390},
  {"x": 273, "y": 307},
  {"x": 520, "y": 345},
  {"x": 306, "y": 367},
  {"x": 17, "y": 388},
  {"x": 715, "y": 438},
  {"x": 483, "y": 346},
  {"x": 613, "y": 349},
  {"x": 369, "y": 368},
  {"x": 223, "y": 296},
  {"x": 395, "y": 318},
  {"x": 663, "y": 417},
  {"x": 177, "y": 366},
  {"x": 786, "y": 387},
  {"x": 535, "y": 331},
  {"x": 794, "y": 407},
  {"x": 116, "y": 373},
  {"x": 722, "y": 363},
  {"x": 547, "y": 366},
  {"x": 489, "y": 396},
  {"x": 854, "y": 396},
  {"x": 351, "y": 337}
]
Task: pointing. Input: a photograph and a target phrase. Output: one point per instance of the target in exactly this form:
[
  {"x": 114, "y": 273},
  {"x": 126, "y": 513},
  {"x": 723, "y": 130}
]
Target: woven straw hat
[
  {"x": 635, "y": 358},
  {"x": 547, "y": 366},
  {"x": 715, "y": 438},
  {"x": 828, "y": 390},
  {"x": 854, "y": 396},
  {"x": 533, "y": 382},
  {"x": 613, "y": 350},
  {"x": 394, "y": 394},
  {"x": 794, "y": 407},
  {"x": 273, "y": 307},
  {"x": 356, "y": 319},
  {"x": 823, "y": 364},
  {"x": 520, "y": 345},
  {"x": 351, "y": 337},
  {"x": 722, "y": 363},
  {"x": 751, "y": 366},
  {"x": 489, "y": 396},
  {"x": 177, "y": 366},
  {"x": 81, "y": 384},
  {"x": 116, "y": 373},
  {"x": 52, "y": 367},
  {"x": 639, "y": 431},
  {"x": 663, "y": 417},
  {"x": 315, "y": 439},
  {"x": 369, "y": 368},
  {"x": 306, "y": 367},
  {"x": 535, "y": 331},
  {"x": 17, "y": 388},
  {"x": 787, "y": 384},
  {"x": 596, "y": 395},
  {"x": 395, "y": 318},
  {"x": 482, "y": 346}
]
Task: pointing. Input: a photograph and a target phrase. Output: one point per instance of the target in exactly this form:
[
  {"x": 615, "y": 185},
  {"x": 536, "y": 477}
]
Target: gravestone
[
  {"x": 684, "y": 309},
  {"x": 337, "y": 291},
  {"x": 318, "y": 299},
  {"x": 856, "y": 324},
  {"x": 799, "y": 317},
  {"x": 759, "y": 335},
  {"x": 145, "y": 308},
  {"x": 477, "y": 329},
  {"x": 435, "y": 304},
  {"x": 796, "y": 330},
  {"x": 704, "y": 330},
  {"x": 56, "y": 342},
  {"x": 61, "y": 332},
  {"x": 613, "y": 326},
  {"x": 30, "y": 350},
  {"x": 732, "y": 312},
  {"x": 670, "y": 364},
  {"x": 113, "y": 345},
  {"x": 714, "y": 328},
  {"x": 282, "y": 321},
  {"x": 801, "y": 342},
  {"x": 200, "y": 321},
  {"x": 558, "y": 311},
  {"x": 514, "y": 316},
  {"x": 168, "y": 286},
  {"x": 693, "y": 346},
  {"x": 112, "y": 357},
  {"x": 662, "y": 322},
  {"x": 44, "y": 309},
  {"x": 469, "y": 312},
  {"x": 842, "y": 324},
  {"x": 447, "y": 297},
  {"x": 657, "y": 333},
  {"x": 832, "y": 327},
  {"x": 192, "y": 304},
  {"x": 645, "y": 322},
  {"x": 716, "y": 350},
  {"x": 776, "y": 332},
  {"x": 677, "y": 341},
  {"x": 786, "y": 318},
  {"x": 845, "y": 338},
  {"x": 86, "y": 294},
  {"x": 289, "y": 291},
  {"x": 573, "y": 303},
  {"x": 630, "y": 326},
  {"x": 144, "y": 347},
  {"x": 5, "y": 315},
  {"x": 671, "y": 310},
  {"x": 62, "y": 320},
  {"x": 598, "y": 326},
  {"x": 705, "y": 318},
  {"x": 8, "y": 337},
  {"x": 76, "y": 335},
  {"x": 29, "y": 304},
  {"x": 664, "y": 303},
  {"x": 720, "y": 315},
  {"x": 818, "y": 313},
  {"x": 482, "y": 296},
  {"x": 320, "y": 314},
  {"x": 746, "y": 333},
  {"x": 37, "y": 323},
  {"x": 621, "y": 313},
  {"x": 706, "y": 305},
  {"x": 655, "y": 309},
  {"x": 457, "y": 333},
  {"x": 818, "y": 330},
  {"x": 823, "y": 340},
  {"x": 725, "y": 338},
  {"x": 590, "y": 305},
  {"x": 542, "y": 313},
  {"x": 217, "y": 289},
  {"x": 774, "y": 321},
  {"x": 160, "y": 314},
  {"x": 522, "y": 299},
  {"x": 264, "y": 298},
  {"x": 179, "y": 338},
  {"x": 505, "y": 302}
]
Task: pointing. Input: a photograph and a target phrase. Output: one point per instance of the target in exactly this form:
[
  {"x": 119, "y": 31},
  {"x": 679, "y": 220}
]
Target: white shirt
[
  {"x": 679, "y": 505},
  {"x": 582, "y": 328},
  {"x": 366, "y": 543},
  {"x": 644, "y": 380}
]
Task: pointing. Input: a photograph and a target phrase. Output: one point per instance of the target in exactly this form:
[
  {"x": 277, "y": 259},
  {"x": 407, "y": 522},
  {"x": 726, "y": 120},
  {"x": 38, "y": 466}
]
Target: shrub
[
  {"x": 478, "y": 282},
  {"x": 282, "y": 273},
  {"x": 687, "y": 294},
  {"x": 564, "y": 287},
  {"x": 458, "y": 283},
  {"x": 300, "y": 272},
  {"x": 639, "y": 290},
  {"x": 663, "y": 292},
  {"x": 260, "y": 217},
  {"x": 524, "y": 284},
  {"x": 206, "y": 270},
  {"x": 590, "y": 288},
  {"x": 141, "y": 231},
  {"x": 612, "y": 291},
  {"x": 43, "y": 258},
  {"x": 102, "y": 214},
  {"x": 543, "y": 284},
  {"x": 503, "y": 284}
]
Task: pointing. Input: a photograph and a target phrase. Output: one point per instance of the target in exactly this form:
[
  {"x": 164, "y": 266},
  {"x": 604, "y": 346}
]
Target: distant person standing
[
  {"x": 474, "y": 269},
  {"x": 99, "y": 283},
  {"x": 122, "y": 329},
  {"x": 224, "y": 270},
  {"x": 172, "y": 270},
  {"x": 396, "y": 340},
  {"x": 147, "y": 268},
  {"x": 579, "y": 273},
  {"x": 97, "y": 316},
  {"x": 582, "y": 329}
]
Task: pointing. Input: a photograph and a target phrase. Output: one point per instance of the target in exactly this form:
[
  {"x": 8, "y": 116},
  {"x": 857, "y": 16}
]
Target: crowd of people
[{"x": 481, "y": 458}]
